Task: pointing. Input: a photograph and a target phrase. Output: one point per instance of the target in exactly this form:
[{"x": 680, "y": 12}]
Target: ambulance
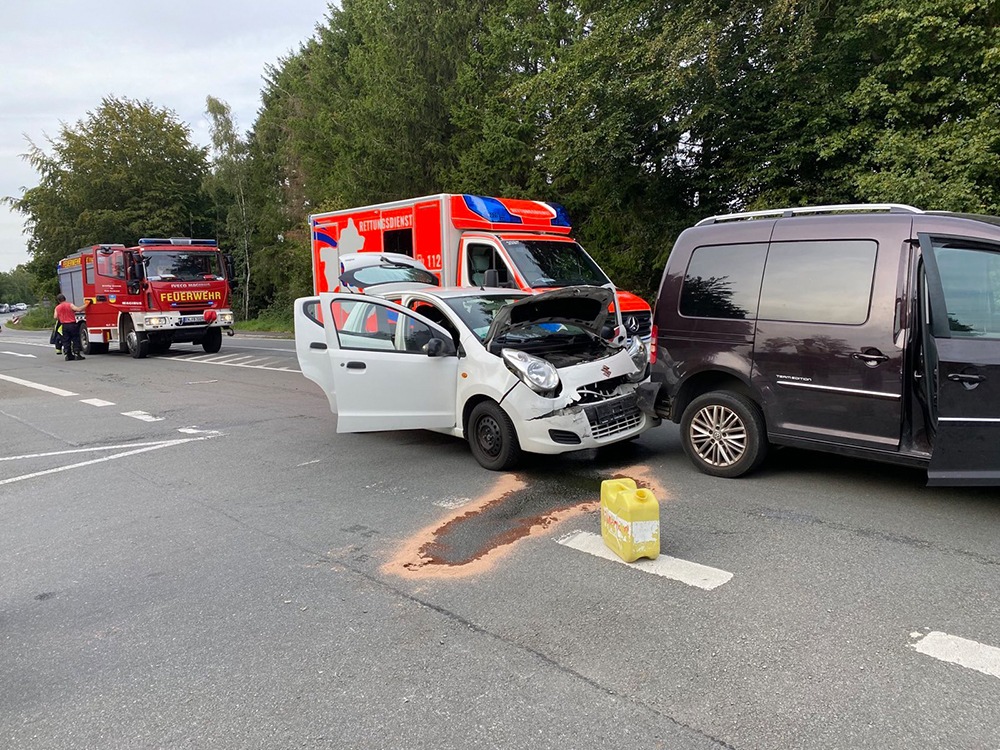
[
  {"x": 148, "y": 297},
  {"x": 472, "y": 241}
]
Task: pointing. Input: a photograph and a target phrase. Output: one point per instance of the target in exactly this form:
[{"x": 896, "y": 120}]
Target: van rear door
[{"x": 962, "y": 310}]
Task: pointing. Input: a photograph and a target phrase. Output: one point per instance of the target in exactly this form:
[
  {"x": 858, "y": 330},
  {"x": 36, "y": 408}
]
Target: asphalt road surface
[{"x": 191, "y": 556}]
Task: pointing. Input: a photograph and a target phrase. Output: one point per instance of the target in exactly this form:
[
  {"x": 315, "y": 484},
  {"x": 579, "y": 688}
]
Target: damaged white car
[{"x": 508, "y": 371}]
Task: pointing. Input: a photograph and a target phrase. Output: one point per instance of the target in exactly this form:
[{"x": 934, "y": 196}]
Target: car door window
[{"x": 371, "y": 326}]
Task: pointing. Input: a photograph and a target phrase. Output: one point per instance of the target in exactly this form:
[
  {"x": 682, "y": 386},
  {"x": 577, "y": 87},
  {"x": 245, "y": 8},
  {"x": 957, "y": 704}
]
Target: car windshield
[
  {"x": 183, "y": 266},
  {"x": 478, "y": 312},
  {"x": 551, "y": 263},
  {"x": 367, "y": 276}
]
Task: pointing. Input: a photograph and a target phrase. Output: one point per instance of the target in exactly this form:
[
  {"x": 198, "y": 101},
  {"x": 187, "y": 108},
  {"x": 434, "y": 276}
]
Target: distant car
[
  {"x": 508, "y": 371},
  {"x": 4, "y": 307},
  {"x": 18, "y": 307}
]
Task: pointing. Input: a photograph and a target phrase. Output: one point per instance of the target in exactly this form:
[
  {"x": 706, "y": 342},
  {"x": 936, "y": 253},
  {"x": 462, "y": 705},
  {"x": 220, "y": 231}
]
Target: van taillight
[{"x": 652, "y": 346}]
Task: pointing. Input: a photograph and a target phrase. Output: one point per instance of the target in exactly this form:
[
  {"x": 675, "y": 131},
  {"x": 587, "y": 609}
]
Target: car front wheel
[
  {"x": 723, "y": 434},
  {"x": 492, "y": 437}
]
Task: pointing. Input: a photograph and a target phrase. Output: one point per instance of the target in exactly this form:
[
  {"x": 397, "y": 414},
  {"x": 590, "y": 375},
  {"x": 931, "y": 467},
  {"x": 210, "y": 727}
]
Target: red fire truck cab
[
  {"x": 471, "y": 240},
  {"x": 147, "y": 297}
]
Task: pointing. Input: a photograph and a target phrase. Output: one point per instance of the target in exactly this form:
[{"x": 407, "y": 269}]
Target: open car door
[
  {"x": 310, "y": 345},
  {"x": 391, "y": 368},
  {"x": 961, "y": 302}
]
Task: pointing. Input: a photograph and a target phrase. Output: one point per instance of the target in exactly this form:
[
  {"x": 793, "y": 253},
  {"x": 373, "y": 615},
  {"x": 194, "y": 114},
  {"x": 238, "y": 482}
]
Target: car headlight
[
  {"x": 640, "y": 358},
  {"x": 156, "y": 322},
  {"x": 226, "y": 319},
  {"x": 539, "y": 375}
]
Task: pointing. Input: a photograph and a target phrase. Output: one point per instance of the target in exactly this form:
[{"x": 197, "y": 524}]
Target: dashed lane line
[
  {"x": 18, "y": 354},
  {"x": 96, "y": 402},
  {"x": 962, "y": 651},
  {"x": 693, "y": 574},
  {"x": 38, "y": 386},
  {"x": 143, "y": 416}
]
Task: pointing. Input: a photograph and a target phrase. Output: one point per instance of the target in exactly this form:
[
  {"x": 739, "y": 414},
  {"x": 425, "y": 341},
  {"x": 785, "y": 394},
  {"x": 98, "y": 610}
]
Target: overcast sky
[{"x": 59, "y": 58}]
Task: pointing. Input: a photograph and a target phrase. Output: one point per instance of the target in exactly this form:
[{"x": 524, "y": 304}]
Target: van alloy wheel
[
  {"x": 718, "y": 435},
  {"x": 723, "y": 434}
]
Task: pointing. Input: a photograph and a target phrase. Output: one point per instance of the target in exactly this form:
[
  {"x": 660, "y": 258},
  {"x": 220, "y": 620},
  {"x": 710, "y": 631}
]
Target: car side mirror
[
  {"x": 491, "y": 278},
  {"x": 440, "y": 348}
]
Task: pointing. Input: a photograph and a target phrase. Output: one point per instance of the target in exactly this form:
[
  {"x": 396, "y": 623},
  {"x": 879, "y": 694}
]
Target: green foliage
[
  {"x": 17, "y": 286},
  {"x": 639, "y": 116},
  {"x": 35, "y": 319},
  {"x": 125, "y": 171}
]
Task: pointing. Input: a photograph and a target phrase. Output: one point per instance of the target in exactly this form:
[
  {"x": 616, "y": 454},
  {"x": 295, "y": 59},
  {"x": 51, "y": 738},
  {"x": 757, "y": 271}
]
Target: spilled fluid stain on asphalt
[{"x": 518, "y": 505}]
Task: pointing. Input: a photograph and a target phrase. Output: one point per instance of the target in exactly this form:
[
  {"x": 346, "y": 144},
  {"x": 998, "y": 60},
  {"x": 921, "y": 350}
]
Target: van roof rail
[{"x": 787, "y": 212}]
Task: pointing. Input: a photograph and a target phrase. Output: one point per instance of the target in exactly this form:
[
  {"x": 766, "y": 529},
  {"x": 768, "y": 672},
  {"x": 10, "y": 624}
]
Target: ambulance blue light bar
[{"x": 176, "y": 241}]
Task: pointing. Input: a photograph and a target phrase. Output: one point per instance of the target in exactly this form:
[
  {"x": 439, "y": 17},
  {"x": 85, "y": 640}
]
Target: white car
[{"x": 506, "y": 370}]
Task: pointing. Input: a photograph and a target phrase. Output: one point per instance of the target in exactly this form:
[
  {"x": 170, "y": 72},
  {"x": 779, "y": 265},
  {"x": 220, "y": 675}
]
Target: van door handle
[
  {"x": 317, "y": 345},
  {"x": 356, "y": 365},
  {"x": 870, "y": 359},
  {"x": 962, "y": 377}
]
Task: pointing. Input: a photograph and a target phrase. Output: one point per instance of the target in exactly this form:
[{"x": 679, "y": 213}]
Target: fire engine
[
  {"x": 471, "y": 240},
  {"x": 147, "y": 297}
]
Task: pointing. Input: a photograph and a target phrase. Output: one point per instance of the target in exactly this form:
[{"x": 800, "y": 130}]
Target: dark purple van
[{"x": 864, "y": 330}]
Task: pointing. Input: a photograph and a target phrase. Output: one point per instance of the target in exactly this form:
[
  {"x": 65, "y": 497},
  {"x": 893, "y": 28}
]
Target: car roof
[{"x": 457, "y": 292}]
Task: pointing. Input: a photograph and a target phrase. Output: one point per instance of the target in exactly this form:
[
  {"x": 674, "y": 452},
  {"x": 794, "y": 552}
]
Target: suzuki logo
[
  {"x": 632, "y": 324},
  {"x": 607, "y": 371}
]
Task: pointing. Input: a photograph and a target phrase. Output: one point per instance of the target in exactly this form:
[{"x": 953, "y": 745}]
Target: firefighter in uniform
[{"x": 65, "y": 313}]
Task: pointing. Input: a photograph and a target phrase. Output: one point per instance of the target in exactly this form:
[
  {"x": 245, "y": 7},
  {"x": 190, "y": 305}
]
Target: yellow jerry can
[{"x": 630, "y": 520}]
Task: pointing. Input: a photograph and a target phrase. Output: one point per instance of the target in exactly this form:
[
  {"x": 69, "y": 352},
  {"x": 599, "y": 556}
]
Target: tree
[
  {"x": 228, "y": 184},
  {"x": 127, "y": 170}
]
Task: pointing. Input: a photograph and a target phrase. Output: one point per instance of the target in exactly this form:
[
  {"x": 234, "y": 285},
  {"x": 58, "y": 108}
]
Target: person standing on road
[{"x": 65, "y": 313}]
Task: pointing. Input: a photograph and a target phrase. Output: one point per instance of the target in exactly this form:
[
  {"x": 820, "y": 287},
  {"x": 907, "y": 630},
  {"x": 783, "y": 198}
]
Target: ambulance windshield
[
  {"x": 183, "y": 266},
  {"x": 550, "y": 263}
]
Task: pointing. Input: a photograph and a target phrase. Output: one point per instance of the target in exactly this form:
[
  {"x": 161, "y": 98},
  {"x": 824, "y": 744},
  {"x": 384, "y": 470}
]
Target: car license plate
[{"x": 189, "y": 319}]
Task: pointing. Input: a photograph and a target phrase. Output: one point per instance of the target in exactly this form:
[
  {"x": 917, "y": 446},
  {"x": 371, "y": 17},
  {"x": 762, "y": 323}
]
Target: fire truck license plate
[{"x": 188, "y": 319}]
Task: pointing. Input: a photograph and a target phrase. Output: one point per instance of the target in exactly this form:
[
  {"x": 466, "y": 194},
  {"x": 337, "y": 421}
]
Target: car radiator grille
[{"x": 613, "y": 417}]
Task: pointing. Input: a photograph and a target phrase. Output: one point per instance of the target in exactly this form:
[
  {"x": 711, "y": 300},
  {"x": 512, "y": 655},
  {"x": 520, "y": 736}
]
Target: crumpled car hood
[{"x": 583, "y": 306}]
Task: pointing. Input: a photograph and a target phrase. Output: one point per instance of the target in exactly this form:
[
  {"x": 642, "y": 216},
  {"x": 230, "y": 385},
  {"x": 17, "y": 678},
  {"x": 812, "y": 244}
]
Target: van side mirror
[{"x": 491, "y": 278}]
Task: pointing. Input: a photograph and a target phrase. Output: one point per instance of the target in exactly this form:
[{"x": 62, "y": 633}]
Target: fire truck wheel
[
  {"x": 88, "y": 346},
  {"x": 138, "y": 344},
  {"x": 211, "y": 342}
]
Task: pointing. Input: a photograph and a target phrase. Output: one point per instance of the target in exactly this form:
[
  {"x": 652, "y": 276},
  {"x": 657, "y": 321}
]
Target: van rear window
[{"x": 723, "y": 281}]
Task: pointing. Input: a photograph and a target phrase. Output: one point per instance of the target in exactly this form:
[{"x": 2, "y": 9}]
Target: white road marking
[
  {"x": 196, "y": 431},
  {"x": 70, "y": 451},
  {"x": 96, "y": 402},
  {"x": 961, "y": 651},
  {"x": 200, "y": 382},
  {"x": 16, "y": 354},
  {"x": 144, "y": 416},
  {"x": 38, "y": 386},
  {"x": 308, "y": 463},
  {"x": 673, "y": 568},
  {"x": 201, "y": 360},
  {"x": 146, "y": 447}
]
